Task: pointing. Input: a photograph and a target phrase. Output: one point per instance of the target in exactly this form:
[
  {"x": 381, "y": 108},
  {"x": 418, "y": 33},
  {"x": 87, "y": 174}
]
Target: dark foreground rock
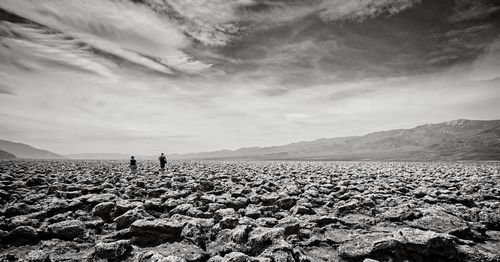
[
  {"x": 67, "y": 230},
  {"x": 155, "y": 232}
]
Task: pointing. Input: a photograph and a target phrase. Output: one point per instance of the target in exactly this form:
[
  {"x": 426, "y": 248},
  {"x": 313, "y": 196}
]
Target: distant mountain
[
  {"x": 107, "y": 156},
  {"x": 6, "y": 155},
  {"x": 25, "y": 151},
  {"x": 454, "y": 140}
]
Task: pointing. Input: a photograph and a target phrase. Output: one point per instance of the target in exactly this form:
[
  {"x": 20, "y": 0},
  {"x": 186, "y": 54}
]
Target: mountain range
[
  {"x": 454, "y": 140},
  {"x": 6, "y": 155},
  {"x": 20, "y": 150}
]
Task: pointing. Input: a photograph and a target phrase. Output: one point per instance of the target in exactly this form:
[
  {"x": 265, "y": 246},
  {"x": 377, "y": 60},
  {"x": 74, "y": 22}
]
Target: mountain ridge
[
  {"x": 25, "y": 151},
  {"x": 459, "y": 139},
  {"x": 6, "y": 155}
]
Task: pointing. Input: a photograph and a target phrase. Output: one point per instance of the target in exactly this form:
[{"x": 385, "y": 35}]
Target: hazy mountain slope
[
  {"x": 453, "y": 140},
  {"x": 25, "y": 151},
  {"x": 6, "y": 155}
]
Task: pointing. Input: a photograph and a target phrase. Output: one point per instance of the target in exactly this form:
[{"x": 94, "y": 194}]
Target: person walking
[
  {"x": 163, "y": 161},
  {"x": 133, "y": 165}
]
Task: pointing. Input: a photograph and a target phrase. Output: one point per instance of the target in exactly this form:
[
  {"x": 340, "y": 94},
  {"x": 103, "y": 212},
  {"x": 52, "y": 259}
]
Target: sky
[{"x": 179, "y": 76}]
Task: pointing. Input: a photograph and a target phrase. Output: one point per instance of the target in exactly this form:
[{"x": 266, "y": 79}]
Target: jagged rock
[
  {"x": 122, "y": 206},
  {"x": 38, "y": 256},
  {"x": 129, "y": 217},
  {"x": 427, "y": 243},
  {"x": 155, "y": 232},
  {"x": 67, "y": 230},
  {"x": 22, "y": 235},
  {"x": 322, "y": 221},
  {"x": 478, "y": 254},
  {"x": 236, "y": 257},
  {"x": 112, "y": 250},
  {"x": 252, "y": 212},
  {"x": 302, "y": 210},
  {"x": 104, "y": 210},
  {"x": 361, "y": 245},
  {"x": 405, "y": 244},
  {"x": 442, "y": 222},
  {"x": 491, "y": 219},
  {"x": 261, "y": 237},
  {"x": 16, "y": 209},
  {"x": 286, "y": 202},
  {"x": 98, "y": 198},
  {"x": 229, "y": 222},
  {"x": 35, "y": 181},
  {"x": 228, "y": 241},
  {"x": 269, "y": 199},
  {"x": 222, "y": 213},
  {"x": 188, "y": 252},
  {"x": 290, "y": 225},
  {"x": 240, "y": 234},
  {"x": 181, "y": 209},
  {"x": 152, "y": 256}
]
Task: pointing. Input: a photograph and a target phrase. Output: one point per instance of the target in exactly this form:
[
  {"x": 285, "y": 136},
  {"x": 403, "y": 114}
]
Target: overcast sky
[{"x": 177, "y": 76}]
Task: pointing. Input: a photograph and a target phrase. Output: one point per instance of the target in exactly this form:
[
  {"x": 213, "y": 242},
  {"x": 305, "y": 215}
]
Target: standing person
[
  {"x": 163, "y": 161},
  {"x": 133, "y": 164}
]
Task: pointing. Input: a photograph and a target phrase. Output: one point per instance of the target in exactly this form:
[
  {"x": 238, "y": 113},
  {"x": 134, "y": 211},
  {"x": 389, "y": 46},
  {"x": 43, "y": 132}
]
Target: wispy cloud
[
  {"x": 360, "y": 10},
  {"x": 130, "y": 31}
]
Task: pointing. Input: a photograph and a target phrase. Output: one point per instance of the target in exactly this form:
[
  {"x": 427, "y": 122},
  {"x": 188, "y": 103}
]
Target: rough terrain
[{"x": 249, "y": 211}]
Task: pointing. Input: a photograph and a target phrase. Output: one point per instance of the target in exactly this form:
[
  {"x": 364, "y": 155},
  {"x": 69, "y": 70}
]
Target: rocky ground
[{"x": 249, "y": 211}]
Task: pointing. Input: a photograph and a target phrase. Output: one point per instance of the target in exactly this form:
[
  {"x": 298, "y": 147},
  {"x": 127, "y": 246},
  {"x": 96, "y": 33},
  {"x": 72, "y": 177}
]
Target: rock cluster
[{"x": 273, "y": 211}]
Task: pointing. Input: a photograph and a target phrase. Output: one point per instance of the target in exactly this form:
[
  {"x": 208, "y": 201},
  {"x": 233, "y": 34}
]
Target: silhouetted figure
[
  {"x": 163, "y": 161},
  {"x": 133, "y": 165}
]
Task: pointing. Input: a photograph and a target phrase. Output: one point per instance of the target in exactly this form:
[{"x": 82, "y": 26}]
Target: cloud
[
  {"x": 132, "y": 32},
  {"x": 467, "y": 10},
  {"x": 47, "y": 50},
  {"x": 300, "y": 118},
  {"x": 360, "y": 10},
  {"x": 5, "y": 90}
]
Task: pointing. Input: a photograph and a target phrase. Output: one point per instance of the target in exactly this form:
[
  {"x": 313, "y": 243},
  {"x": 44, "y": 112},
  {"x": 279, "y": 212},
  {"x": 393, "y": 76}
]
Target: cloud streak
[{"x": 147, "y": 39}]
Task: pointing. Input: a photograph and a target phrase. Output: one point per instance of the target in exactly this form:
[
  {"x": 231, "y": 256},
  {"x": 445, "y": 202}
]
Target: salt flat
[{"x": 200, "y": 211}]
